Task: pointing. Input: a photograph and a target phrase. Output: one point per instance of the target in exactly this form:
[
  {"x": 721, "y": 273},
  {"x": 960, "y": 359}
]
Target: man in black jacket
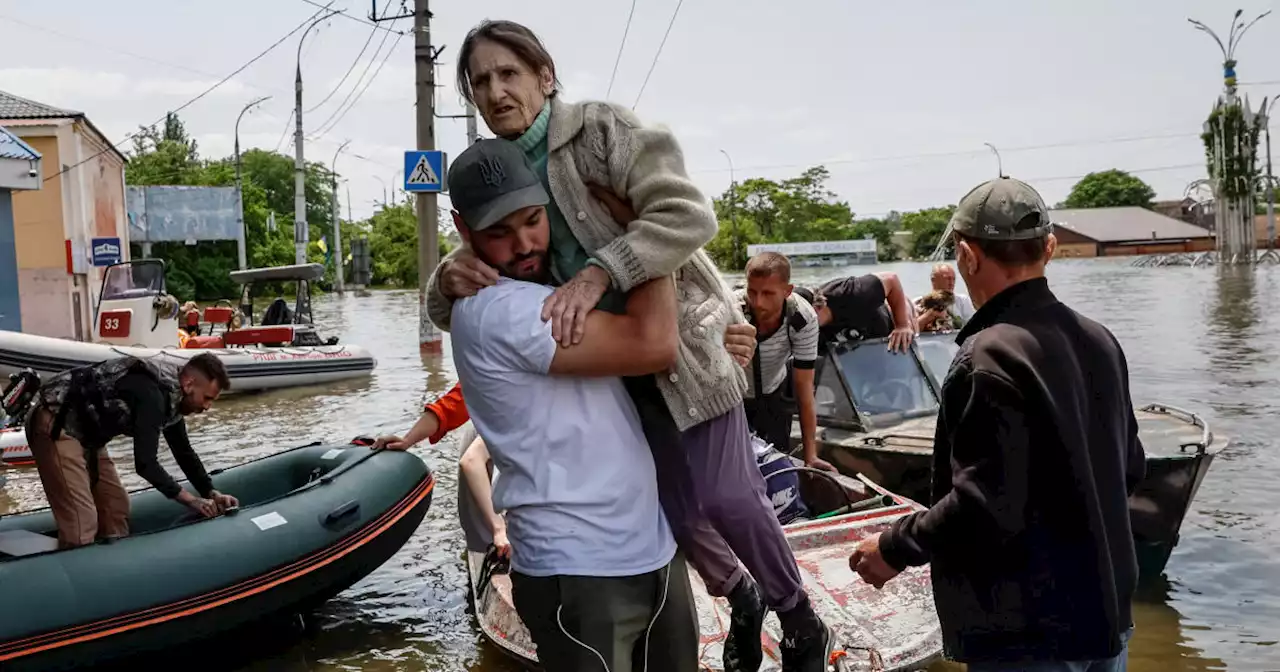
[
  {"x": 1035, "y": 454},
  {"x": 79, "y": 410}
]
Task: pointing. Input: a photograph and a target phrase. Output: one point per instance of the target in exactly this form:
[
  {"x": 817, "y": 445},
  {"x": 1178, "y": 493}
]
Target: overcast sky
[{"x": 896, "y": 99}]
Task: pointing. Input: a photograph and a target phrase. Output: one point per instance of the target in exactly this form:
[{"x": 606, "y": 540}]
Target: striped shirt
[{"x": 787, "y": 342}]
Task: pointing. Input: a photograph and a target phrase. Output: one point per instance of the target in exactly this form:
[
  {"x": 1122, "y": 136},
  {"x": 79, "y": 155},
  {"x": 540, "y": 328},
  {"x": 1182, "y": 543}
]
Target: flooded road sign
[{"x": 424, "y": 171}]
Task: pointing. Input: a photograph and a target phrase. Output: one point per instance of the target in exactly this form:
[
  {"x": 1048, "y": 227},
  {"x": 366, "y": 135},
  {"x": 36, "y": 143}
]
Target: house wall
[
  {"x": 1072, "y": 250},
  {"x": 10, "y": 301},
  {"x": 39, "y": 236},
  {"x": 1156, "y": 247}
]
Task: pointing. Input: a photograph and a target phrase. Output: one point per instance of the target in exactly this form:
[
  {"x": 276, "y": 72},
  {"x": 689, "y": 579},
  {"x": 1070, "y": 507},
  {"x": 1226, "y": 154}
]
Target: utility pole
[
  {"x": 240, "y": 228},
  {"x": 733, "y": 204},
  {"x": 301, "y": 235},
  {"x": 428, "y": 246},
  {"x": 1271, "y": 184},
  {"x": 337, "y": 225},
  {"x": 473, "y": 135}
]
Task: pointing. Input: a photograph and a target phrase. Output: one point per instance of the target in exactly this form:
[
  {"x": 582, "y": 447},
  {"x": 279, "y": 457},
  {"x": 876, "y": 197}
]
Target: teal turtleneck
[{"x": 568, "y": 257}]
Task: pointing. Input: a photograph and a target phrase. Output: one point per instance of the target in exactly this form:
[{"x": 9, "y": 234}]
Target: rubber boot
[{"x": 742, "y": 648}]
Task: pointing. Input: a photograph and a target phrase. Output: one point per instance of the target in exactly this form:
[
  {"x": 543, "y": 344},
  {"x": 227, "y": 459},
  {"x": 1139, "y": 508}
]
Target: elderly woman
[{"x": 624, "y": 212}]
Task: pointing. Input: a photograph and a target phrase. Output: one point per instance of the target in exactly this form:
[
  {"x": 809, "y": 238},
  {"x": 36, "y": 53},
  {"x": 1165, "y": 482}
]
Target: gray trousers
[
  {"x": 644, "y": 623},
  {"x": 714, "y": 497}
]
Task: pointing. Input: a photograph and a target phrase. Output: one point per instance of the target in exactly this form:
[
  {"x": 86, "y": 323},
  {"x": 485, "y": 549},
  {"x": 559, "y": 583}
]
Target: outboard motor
[{"x": 17, "y": 397}]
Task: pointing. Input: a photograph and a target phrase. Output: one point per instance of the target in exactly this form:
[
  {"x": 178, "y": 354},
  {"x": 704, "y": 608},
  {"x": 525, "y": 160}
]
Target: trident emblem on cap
[{"x": 491, "y": 171}]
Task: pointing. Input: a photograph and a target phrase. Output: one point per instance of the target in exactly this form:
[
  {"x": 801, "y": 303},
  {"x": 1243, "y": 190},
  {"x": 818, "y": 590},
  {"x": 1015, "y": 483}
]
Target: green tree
[
  {"x": 927, "y": 227},
  {"x": 1110, "y": 189},
  {"x": 800, "y": 209},
  {"x": 882, "y": 231}
]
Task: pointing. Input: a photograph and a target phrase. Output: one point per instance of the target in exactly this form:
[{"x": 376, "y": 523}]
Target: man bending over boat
[
  {"x": 595, "y": 574},
  {"x": 79, "y": 410}
]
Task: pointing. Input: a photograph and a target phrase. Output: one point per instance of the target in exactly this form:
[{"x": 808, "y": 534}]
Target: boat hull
[
  {"x": 313, "y": 521},
  {"x": 903, "y": 463},
  {"x": 14, "y": 451},
  {"x": 250, "y": 368}
]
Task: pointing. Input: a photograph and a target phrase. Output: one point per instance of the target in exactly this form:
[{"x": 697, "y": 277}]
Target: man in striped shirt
[{"x": 786, "y": 328}]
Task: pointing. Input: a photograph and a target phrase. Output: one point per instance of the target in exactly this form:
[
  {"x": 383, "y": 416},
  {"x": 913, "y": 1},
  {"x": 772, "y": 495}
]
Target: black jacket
[{"x": 1035, "y": 454}]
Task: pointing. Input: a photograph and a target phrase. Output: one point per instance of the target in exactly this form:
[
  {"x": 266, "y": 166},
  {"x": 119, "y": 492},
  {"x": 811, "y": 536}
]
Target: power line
[
  {"x": 355, "y": 86},
  {"x": 346, "y": 75},
  {"x": 655, "y": 56},
  {"x": 357, "y": 19},
  {"x": 385, "y": 58},
  {"x": 287, "y": 123},
  {"x": 622, "y": 45},
  {"x": 202, "y": 94}
]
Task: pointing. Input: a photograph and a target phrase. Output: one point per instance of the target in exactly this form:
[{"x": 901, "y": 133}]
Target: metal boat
[
  {"x": 877, "y": 412},
  {"x": 895, "y": 628}
]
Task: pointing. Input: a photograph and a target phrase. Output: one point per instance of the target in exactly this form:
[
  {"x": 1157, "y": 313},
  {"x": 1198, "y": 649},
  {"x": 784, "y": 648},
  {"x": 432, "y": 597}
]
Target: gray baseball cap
[
  {"x": 1002, "y": 209},
  {"x": 491, "y": 180}
]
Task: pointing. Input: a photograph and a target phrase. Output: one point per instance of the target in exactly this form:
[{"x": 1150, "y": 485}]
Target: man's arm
[
  {"x": 439, "y": 306},
  {"x": 804, "y": 359},
  {"x": 989, "y": 464},
  {"x": 475, "y": 470},
  {"x": 896, "y": 297},
  {"x": 180, "y": 445},
  {"x": 148, "y": 404},
  {"x": 673, "y": 217},
  {"x": 644, "y": 340}
]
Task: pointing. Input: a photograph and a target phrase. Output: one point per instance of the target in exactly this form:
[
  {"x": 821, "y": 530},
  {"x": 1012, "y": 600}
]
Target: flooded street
[{"x": 1203, "y": 339}]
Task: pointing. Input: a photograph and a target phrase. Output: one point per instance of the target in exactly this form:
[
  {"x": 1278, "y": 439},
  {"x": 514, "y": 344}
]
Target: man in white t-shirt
[
  {"x": 943, "y": 278},
  {"x": 595, "y": 573}
]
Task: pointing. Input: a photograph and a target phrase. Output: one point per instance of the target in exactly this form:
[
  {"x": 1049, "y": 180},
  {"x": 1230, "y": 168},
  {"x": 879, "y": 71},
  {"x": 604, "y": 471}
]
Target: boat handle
[{"x": 342, "y": 511}]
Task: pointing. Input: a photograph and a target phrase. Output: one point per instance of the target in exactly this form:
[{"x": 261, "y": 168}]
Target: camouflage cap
[
  {"x": 1002, "y": 209},
  {"x": 491, "y": 180}
]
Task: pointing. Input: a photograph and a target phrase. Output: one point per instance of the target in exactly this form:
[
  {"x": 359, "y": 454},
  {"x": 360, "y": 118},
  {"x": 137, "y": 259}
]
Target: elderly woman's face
[{"x": 507, "y": 91}]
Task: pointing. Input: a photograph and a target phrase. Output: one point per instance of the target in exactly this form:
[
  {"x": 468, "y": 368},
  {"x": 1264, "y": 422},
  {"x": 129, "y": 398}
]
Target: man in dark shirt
[
  {"x": 1034, "y": 458},
  {"x": 78, "y": 411},
  {"x": 874, "y": 305}
]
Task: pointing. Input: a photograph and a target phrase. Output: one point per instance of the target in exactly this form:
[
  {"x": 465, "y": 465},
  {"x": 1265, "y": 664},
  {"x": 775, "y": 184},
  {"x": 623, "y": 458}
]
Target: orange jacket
[{"x": 451, "y": 409}]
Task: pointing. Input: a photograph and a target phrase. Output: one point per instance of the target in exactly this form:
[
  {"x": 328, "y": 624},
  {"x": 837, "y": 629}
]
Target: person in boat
[
  {"x": 1035, "y": 456},
  {"x": 597, "y": 159},
  {"x": 79, "y": 410},
  {"x": 874, "y": 305},
  {"x": 959, "y": 311},
  {"x": 934, "y": 312},
  {"x": 787, "y": 329},
  {"x": 594, "y": 569},
  {"x": 476, "y": 466}
]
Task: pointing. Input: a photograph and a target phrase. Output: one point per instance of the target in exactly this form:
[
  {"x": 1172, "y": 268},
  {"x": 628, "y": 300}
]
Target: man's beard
[{"x": 542, "y": 276}]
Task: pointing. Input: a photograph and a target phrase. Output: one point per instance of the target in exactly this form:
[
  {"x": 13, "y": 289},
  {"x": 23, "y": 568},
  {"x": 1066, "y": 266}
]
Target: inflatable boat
[
  {"x": 134, "y": 316},
  {"x": 312, "y": 521},
  {"x": 13, "y": 448},
  {"x": 250, "y": 368}
]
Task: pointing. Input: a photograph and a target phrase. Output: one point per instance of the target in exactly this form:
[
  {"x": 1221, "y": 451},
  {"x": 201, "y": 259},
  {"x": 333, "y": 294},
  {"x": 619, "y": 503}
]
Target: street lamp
[
  {"x": 733, "y": 199},
  {"x": 384, "y": 189},
  {"x": 337, "y": 226},
  {"x": 300, "y": 233},
  {"x": 240, "y": 246},
  {"x": 999, "y": 163}
]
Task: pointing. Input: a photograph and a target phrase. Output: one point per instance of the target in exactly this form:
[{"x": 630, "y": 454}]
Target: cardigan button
[
  {"x": 582, "y": 216},
  {"x": 693, "y": 412},
  {"x": 675, "y": 377}
]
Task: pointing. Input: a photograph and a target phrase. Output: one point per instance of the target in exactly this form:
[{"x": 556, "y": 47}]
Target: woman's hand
[
  {"x": 465, "y": 275},
  {"x": 567, "y": 307}
]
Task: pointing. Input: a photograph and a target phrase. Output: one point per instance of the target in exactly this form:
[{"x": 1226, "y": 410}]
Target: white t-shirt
[
  {"x": 786, "y": 342},
  {"x": 578, "y": 483},
  {"x": 962, "y": 307}
]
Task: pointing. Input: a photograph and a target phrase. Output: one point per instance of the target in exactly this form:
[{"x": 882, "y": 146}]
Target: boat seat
[
  {"x": 277, "y": 335},
  {"x": 204, "y": 342},
  {"x": 218, "y": 314},
  {"x": 17, "y": 543}
]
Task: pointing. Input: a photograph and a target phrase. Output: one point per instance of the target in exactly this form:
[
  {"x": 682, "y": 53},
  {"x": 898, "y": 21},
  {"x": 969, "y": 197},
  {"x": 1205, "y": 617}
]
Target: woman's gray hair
[{"x": 519, "y": 39}]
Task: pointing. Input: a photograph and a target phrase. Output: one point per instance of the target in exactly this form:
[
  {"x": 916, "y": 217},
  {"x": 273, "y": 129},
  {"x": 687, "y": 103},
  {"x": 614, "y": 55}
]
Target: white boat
[
  {"x": 13, "y": 448},
  {"x": 135, "y": 317}
]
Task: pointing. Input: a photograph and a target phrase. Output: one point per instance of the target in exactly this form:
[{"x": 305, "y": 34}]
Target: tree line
[{"x": 167, "y": 155}]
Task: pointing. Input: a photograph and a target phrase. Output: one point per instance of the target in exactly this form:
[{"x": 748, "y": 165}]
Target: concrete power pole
[
  {"x": 428, "y": 246},
  {"x": 473, "y": 135},
  {"x": 301, "y": 235},
  {"x": 336, "y": 221}
]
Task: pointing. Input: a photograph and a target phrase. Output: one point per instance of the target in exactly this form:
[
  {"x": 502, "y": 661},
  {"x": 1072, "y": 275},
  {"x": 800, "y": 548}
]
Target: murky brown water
[{"x": 1202, "y": 339}]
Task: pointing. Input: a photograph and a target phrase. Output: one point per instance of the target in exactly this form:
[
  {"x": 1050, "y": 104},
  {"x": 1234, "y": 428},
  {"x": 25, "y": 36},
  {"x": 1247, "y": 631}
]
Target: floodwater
[{"x": 1203, "y": 339}]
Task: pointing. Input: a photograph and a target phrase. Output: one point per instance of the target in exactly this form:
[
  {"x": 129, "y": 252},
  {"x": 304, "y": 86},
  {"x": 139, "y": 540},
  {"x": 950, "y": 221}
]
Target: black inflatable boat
[{"x": 312, "y": 521}]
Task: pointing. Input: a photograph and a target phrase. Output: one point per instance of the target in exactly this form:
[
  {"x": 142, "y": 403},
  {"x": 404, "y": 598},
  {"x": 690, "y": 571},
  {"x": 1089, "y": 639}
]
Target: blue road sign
[
  {"x": 106, "y": 251},
  {"x": 424, "y": 171}
]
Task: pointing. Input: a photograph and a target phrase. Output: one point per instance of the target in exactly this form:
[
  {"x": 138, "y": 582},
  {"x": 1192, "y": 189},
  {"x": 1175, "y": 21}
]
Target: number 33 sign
[{"x": 114, "y": 323}]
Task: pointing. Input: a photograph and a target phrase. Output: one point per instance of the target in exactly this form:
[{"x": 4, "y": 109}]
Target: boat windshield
[
  {"x": 133, "y": 280},
  {"x": 937, "y": 352},
  {"x": 884, "y": 382}
]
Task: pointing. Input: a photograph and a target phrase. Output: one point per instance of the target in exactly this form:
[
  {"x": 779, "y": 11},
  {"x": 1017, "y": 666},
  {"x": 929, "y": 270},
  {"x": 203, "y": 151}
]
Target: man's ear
[
  {"x": 462, "y": 229},
  {"x": 967, "y": 257},
  {"x": 1051, "y": 247}
]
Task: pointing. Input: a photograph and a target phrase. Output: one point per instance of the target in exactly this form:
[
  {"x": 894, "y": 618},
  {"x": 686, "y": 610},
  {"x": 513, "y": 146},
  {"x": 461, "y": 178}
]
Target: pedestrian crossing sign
[{"x": 424, "y": 171}]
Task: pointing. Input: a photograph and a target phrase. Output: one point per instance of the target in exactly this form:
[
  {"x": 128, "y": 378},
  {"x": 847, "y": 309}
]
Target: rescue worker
[{"x": 79, "y": 410}]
